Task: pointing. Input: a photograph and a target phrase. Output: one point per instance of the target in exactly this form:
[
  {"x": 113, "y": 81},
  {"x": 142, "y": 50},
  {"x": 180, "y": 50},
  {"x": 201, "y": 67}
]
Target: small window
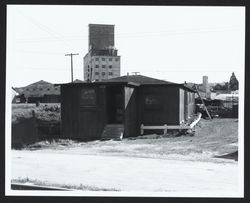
[
  {"x": 110, "y": 59},
  {"x": 110, "y": 73},
  {"x": 103, "y": 59},
  {"x": 103, "y": 73},
  {"x": 96, "y": 73},
  {"x": 96, "y": 80},
  {"x": 34, "y": 89},
  {"x": 27, "y": 89},
  {"x": 103, "y": 66},
  {"x": 49, "y": 89},
  {"x": 97, "y": 59},
  {"x": 96, "y": 66},
  {"x": 117, "y": 59},
  {"x": 41, "y": 89},
  {"x": 110, "y": 66}
]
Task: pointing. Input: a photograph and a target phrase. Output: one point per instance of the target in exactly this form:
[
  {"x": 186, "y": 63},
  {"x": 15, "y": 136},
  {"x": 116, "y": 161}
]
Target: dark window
[
  {"x": 103, "y": 59},
  {"x": 49, "y": 89},
  {"x": 88, "y": 97},
  {"x": 96, "y": 80},
  {"x": 110, "y": 66},
  {"x": 27, "y": 89},
  {"x": 41, "y": 88},
  {"x": 110, "y": 73},
  {"x": 103, "y": 73},
  {"x": 97, "y": 73},
  {"x": 96, "y": 66},
  {"x": 117, "y": 59},
  {"x": 34, "y": 89},
  {"x": 103, "y": 66},
  {"x": 97, "y": 59},
  {"x": 110, "y": 59}
]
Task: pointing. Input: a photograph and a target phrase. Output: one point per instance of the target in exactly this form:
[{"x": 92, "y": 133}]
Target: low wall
[{"x": 48, "y": 129}]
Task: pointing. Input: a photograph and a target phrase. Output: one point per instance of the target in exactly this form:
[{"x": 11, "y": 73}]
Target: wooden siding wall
[
  {"x": 148, "y": 105},
  {"x": 131, "y": 125},
  {"x": 167, "y": 109},
  {"x": 82, "y": 122}
]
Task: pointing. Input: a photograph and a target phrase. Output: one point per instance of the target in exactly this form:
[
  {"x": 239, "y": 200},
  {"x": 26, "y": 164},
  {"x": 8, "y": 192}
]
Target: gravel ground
[{"x": 126, "y": 174}]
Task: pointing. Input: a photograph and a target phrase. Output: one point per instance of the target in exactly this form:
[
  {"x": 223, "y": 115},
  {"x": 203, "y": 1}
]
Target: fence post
[
  {"x": 142, "y": 130},
  {"x": 166, "y": 129}
]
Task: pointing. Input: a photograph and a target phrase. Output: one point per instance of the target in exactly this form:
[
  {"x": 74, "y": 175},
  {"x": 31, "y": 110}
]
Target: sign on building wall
[
  {"x": 152, "y": 101},
  {"x": 88, "y": 97}
]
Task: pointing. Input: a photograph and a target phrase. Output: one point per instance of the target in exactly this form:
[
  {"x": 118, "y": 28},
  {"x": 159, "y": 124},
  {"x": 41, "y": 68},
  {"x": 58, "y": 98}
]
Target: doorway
[{"x": 115, "y": 104}]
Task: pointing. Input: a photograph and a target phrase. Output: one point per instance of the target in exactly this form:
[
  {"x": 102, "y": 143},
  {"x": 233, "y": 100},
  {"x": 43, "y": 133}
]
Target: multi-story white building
[{"x": 102, "y": 61}]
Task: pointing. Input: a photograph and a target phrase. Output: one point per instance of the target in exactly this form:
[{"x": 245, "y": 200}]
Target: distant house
[
  {"x": 41, "y": 91},
  {"x": 228, "y": 100},
  {"x": 122, "y": 104}
]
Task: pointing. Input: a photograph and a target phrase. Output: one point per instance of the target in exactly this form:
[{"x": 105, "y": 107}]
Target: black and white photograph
[{"x": 125, "y": 101}]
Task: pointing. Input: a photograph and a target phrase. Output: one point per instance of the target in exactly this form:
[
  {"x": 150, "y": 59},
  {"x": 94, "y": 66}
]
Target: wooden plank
[
  {"x": 196, "y": 121},
  {"x": 163, "y": 127}
]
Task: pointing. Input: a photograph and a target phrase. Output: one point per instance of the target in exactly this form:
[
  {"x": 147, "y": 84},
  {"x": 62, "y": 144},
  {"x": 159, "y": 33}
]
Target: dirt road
[{"x": 126, "y": 173}]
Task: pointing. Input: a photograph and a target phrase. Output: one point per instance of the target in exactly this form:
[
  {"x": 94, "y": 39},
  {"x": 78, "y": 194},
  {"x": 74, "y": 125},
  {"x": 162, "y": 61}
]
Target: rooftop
[
  {"x": 139, "y": 79},
  {"x": 100, "y": 25}
]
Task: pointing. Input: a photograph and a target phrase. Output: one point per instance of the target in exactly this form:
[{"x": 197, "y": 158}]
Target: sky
[{"x": 174, "y": 43}]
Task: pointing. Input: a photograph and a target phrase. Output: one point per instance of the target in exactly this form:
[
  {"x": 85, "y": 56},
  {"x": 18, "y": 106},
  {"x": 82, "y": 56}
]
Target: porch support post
[
  {"x": 142, "y": 130},
  {"x": 165, "y": 129}
]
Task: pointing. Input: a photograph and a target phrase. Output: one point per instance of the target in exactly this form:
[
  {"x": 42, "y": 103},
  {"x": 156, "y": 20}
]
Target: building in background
[
  {"x": 101, "y": 62},
  {"x": 40, "y": 91},
  {"x": 205, "y": 86}
]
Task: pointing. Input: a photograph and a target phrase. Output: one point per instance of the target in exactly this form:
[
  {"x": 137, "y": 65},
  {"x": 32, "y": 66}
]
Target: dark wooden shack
[{"x": 120, "y": 105}]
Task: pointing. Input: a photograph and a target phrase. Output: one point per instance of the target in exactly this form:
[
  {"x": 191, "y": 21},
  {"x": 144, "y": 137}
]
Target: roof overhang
[{"x": 132, "y": 84}]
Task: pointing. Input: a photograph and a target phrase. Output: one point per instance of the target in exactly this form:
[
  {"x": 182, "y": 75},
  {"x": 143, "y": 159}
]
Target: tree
[
  {"x": 218, "y": 87},
  {"x": 233, "y": 83}
]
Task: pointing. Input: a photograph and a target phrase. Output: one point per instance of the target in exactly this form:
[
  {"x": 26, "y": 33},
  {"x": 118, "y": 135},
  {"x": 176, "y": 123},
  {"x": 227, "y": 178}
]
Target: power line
[
  {"x": 71, "y": 56},
  {"x": 44, "y": 28},
  {"x": 138, "y": 34}
]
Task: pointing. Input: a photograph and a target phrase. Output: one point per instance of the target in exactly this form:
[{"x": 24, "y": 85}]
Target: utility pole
[{"x": 71, "y": 55}]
